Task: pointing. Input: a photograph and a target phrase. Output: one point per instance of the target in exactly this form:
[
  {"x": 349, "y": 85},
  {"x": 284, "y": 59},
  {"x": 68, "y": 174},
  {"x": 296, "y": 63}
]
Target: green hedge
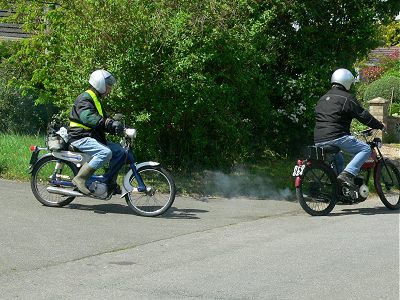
[{"x": 206, "y": 83}]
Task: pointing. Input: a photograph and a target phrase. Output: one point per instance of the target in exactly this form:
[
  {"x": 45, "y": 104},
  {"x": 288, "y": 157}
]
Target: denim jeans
[
  {"x": 349, "y": 144},
  {"x": 100, "y": 153}
]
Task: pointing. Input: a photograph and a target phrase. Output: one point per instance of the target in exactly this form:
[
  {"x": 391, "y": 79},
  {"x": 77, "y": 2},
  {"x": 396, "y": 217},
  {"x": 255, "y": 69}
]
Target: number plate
[{"x": 298, "y": 170}]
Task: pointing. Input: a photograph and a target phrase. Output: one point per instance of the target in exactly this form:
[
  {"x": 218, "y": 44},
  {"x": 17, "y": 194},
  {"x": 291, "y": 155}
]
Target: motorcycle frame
[{"x": 110, "y": 174}]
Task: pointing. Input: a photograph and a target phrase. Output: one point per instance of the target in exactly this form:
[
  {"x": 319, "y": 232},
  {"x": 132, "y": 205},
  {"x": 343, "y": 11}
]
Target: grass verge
[{"x": 15, "y": 155}]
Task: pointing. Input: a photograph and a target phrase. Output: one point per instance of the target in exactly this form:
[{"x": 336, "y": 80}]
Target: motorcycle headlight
[{"x": 130, "y": 132}]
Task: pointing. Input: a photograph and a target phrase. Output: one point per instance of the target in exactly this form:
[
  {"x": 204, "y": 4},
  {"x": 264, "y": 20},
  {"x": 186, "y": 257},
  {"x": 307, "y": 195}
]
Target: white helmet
[
  {"x": 343, "y": 77},
  {"x": 99, "y": 79}
]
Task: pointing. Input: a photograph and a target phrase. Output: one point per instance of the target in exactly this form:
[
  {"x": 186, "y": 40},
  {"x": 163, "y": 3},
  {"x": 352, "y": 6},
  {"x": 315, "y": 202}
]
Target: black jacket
[
  {"x": 85, "y": 112},
  {"x": 334, "y": 113}
]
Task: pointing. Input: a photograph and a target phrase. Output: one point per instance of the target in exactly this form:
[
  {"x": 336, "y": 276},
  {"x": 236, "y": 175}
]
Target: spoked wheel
[
  {"x": 387, "y": 184},
  {"x": 160, "y": 192},
  {"x": 43, "y": 175},
  {"x": 317, "y": 193}
]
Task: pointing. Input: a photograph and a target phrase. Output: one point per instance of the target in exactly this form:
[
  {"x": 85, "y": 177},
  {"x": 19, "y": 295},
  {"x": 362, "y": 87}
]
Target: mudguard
[
  {"x": 126, "y": 186},
  {"x": 34, "y": 160}
]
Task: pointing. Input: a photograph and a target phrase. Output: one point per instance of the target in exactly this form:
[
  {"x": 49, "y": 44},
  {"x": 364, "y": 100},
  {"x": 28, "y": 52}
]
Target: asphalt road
[{"x": 201, "y": 249}]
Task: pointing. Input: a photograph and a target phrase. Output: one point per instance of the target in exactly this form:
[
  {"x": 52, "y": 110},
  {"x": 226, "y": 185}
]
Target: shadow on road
[
  {"x": 364, "y": 211},
  {"x": 174, "y": 213},
  {"x": 110, "y": 208}
]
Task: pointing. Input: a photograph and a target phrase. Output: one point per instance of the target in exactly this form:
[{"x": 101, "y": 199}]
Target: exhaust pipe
[{"x": 64, "y": 192}]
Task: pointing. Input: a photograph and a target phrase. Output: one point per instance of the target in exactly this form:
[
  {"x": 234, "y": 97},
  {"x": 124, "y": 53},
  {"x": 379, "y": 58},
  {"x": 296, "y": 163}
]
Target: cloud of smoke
[{"x": 242, "y": 183}]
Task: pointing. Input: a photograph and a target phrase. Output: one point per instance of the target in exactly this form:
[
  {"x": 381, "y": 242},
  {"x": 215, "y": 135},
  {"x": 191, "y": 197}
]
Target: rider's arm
[
  {"x": 88, "y": 114},
  {"x": 362, "y": 115}
]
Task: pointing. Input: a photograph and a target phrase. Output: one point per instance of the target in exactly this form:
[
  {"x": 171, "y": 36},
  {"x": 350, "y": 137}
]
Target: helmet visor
[{"x": 110, "y": 80}]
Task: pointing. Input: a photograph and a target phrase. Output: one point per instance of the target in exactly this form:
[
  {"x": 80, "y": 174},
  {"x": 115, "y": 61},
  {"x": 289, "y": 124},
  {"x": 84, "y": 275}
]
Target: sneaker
[{"x": 347, "y": 179}]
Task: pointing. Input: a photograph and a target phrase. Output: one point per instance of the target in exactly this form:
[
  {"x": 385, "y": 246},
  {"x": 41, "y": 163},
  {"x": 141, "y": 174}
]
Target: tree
[
  {"x": 206, "y": 83},
  {"x": 391, "y": 33}
]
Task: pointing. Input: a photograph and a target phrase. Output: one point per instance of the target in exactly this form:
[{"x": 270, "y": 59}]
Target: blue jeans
[
  {"x": 100, "y": 153},
  {"x": 349, "y": 144}
]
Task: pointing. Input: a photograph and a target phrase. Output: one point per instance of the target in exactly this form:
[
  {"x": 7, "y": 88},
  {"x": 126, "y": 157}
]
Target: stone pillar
[{"x": 378, "y": 107}]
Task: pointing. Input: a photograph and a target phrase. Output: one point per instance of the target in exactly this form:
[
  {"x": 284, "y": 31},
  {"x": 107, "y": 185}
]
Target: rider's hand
[
  {"x": 383, "y": 128},
  {"x": 117, "y": 127},
  {"x": 113, "y": 126}
]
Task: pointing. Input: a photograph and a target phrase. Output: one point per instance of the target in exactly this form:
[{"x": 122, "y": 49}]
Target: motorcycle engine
[
  {"x": 364, "y": 191},
  {"x": 358, "y": 195},
  {"x": 99, "y": 189}
]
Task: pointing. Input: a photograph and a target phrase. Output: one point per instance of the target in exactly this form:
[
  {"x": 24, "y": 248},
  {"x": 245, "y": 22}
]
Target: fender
[
  {"x": 298, "y": 172},
  {"x": 126, "y": 185},
  {"x": 297, "y": 182},
  {"x": 35, "y": 162}
]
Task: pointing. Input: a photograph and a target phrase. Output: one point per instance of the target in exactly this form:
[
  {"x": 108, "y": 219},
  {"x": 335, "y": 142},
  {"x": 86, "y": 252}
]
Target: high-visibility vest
[{"x": 98, "y": 107}]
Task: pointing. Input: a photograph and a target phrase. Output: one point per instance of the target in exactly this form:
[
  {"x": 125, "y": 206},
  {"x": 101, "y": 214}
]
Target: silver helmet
[
  {"x": 99, "y": 80},
  {"x": 343, "y": 77}
]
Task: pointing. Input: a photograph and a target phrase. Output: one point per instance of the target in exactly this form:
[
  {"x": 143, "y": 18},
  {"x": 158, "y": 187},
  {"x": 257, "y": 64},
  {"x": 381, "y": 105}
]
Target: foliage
[
  {"x": 206, "y": 83},
  {"x": 386, "y": 63},
  {"x": 18, "y": 112},
  {"x": 393, "y": 66},
  {"x": 372, "y": 73},
  {"x": 392, "y": 33}
]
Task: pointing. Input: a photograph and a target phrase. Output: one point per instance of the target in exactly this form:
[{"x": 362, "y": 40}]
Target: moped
[
  {"x": 148, "y": 188},
  {"x": 318, "y": 190}
]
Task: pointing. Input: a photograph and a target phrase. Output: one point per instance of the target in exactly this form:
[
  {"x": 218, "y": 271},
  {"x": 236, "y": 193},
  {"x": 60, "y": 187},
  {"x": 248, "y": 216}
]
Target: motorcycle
[
  {"x": 148, "y": 188},
  {"x": 318, "y": 190}
]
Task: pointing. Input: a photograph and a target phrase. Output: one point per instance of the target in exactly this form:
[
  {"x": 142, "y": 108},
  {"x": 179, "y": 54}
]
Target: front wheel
[
  {"x": 317, "y": 193},
  {"x": 387, "y": 184},
  {"x": 159, "y": 194}
]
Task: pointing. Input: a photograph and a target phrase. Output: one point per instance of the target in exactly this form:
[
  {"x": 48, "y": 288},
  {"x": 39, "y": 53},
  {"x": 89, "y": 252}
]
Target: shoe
[
  {"x": 117, "y": 190},
  {"x": 347, "y": 179},
  {"x": 80, "y": 179}
]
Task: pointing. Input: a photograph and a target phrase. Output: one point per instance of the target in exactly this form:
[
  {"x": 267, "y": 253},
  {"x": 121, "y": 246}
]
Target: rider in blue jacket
[
  {"x": 88, "y": 126},
  {"x": 333, "y": 115}
]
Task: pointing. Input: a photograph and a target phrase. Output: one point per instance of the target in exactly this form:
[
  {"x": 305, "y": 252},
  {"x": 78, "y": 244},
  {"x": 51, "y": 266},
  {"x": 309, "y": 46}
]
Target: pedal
[{"x": 349, "y": 193}]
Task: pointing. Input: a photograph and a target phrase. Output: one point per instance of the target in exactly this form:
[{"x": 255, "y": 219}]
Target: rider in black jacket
[{"x": 333, "y": 115}]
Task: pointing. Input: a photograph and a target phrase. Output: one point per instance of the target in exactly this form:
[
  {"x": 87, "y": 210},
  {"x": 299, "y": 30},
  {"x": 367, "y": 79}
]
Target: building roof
[
  {"x": 10, "y": 31},
  {"x": 376, "y": 54}
]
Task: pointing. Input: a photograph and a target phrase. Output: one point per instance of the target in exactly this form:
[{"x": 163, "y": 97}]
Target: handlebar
[{"x": 369, "y": 132}]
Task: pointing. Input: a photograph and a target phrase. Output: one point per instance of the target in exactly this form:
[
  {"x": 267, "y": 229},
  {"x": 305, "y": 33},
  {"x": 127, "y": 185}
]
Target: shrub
[{"x": 372, "y": 73}]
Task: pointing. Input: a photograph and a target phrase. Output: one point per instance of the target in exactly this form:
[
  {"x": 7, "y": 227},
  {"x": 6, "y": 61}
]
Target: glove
[
  {"x": 384, "y": 128},
  {"x": 113, "y": 126},
  {"x": 117, "y": 127}
]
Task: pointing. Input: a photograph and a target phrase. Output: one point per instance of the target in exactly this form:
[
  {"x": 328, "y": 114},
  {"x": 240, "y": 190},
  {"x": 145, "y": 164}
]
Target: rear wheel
[
  {"x": 46, "y": 173},
  {"x": 387, "y": 184},
  {"x": 317, "y": 193},
  {"x": 158, "y": 197}
]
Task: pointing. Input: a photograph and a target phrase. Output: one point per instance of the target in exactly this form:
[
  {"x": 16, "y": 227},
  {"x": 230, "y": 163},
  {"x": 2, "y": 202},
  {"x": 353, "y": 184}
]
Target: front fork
[
  {"x": 383, "y": 161},
  {"x": 131, "y": 159},
  {"x": 141, "y": 185}
]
